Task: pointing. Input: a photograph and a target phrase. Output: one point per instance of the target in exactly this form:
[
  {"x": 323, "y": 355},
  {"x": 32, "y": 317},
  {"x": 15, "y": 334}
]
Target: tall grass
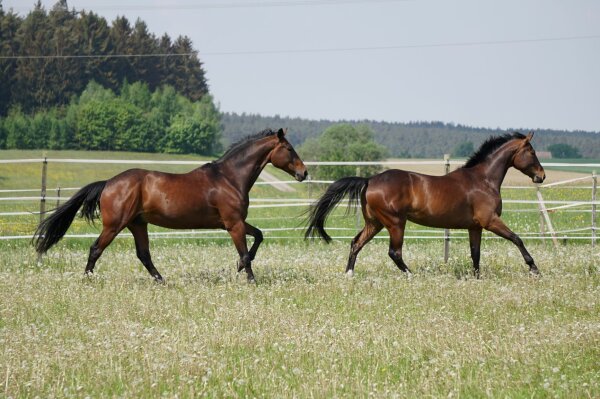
[{"x": 304, "y": 330}]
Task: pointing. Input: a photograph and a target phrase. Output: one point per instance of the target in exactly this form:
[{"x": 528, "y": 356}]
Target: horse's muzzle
[
  {"x": 302, "y": 176},
  {"x": 539, "y": 179}
]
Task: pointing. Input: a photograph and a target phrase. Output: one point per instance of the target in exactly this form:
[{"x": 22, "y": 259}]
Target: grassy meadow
[{"x": 304, "y": 329}]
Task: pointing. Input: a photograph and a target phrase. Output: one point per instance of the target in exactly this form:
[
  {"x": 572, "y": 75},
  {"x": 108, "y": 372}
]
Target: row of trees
[
  {"x": 413, "y": 139},
  {"x": 137, "y": 119},
  {"x": 558, "y": 150},
  {"x": 562, "y": 150},
  {"x": 40, "y": 72}
]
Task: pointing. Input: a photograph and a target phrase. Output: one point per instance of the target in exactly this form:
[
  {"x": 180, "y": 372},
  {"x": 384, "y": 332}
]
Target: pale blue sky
[{"x": 542, "y": 84}]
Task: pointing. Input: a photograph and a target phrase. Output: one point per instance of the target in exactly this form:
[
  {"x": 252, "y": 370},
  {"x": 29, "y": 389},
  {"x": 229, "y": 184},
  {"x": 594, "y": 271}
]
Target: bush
[
  {"x": 136, "y": 120},
  {"x": 112, "y": 125},
  {"x": 343, "y": 142},
  {"x": 18, "y": 131},
  {"x": 562, "y": 150},
  {"x": 197, "y": 133},
  {"x": 463, "y": 149}
]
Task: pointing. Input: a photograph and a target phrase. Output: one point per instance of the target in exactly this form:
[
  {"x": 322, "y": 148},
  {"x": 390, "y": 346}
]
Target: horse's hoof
[
  {"x": 535, "y": 272},
  {"x": 159, "y": 280},
  {"x": 251, "y": 280},
  {"x": 350, "y": 273}
]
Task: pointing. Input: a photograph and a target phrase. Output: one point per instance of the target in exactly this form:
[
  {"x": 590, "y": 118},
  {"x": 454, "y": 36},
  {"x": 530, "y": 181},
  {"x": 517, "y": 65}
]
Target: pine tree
[{"x": 9, "y": 25}]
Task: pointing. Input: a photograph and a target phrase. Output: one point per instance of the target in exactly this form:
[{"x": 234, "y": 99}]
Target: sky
[{"x": 486, "y": 63}]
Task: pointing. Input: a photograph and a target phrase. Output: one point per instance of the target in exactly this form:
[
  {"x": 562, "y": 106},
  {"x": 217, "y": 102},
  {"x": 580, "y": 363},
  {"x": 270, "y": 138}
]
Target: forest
[
  {"x": 419, "y": 139},
  {"x": 71, "y": 79},
  {"x": 50, "y": 56}
]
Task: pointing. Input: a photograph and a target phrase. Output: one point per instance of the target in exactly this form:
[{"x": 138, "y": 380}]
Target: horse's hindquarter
[{"x": 434, "y": 201}]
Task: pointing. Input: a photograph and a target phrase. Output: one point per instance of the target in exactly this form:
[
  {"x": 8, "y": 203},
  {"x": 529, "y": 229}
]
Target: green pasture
[
  {"x": 522, "y": 218},
  {"x": 580, "y": 169},
  {"x": 304, "y": 330}
]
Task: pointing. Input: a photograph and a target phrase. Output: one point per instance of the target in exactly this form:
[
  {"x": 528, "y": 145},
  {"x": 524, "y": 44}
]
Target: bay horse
[
  {"x": 213, "y": 196},
  {"x": 467, "y": 198}
]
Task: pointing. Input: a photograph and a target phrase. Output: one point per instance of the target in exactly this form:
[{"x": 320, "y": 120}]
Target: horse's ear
[
  {"x": 529, "y": 136},
  {"x": 281, "y": 133}
]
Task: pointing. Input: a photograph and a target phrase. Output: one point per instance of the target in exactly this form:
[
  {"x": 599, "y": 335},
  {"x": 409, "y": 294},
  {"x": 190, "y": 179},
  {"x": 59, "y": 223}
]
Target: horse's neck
[
  {"x": 244, "y": 167},
  {"x": 496, "y": 167}
]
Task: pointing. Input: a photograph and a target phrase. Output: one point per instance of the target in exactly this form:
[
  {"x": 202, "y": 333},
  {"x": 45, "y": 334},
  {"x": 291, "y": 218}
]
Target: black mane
[
  {"x": 243, "y": 142},
  {"x": 489, "y": 146}
]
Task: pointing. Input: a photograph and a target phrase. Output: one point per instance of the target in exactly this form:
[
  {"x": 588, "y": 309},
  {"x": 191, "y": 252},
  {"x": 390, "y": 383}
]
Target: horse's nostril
[{"x": 305, "y": 173}]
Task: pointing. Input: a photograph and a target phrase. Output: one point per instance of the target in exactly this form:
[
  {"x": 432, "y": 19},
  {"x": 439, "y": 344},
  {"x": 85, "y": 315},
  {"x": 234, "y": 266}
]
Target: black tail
[
  {"x": 348, "y": 186},
  {"x": 54, "y": 227}
]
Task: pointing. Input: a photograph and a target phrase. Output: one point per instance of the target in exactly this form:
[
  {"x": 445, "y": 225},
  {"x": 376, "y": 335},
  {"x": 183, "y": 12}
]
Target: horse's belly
[
  {"x": 198, "y": 219},
  {"x": 443, "y": 220}
]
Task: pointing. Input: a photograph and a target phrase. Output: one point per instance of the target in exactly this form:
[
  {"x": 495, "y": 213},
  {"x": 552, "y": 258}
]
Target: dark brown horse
[
  {"x": 467, "y": 198},
  {"x": 212, "y": 196}
]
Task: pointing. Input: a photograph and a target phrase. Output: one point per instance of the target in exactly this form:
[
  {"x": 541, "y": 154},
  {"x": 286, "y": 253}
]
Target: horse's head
[
  {"x": 527, "y": 162},
  {"x": 285, "y": 158}
]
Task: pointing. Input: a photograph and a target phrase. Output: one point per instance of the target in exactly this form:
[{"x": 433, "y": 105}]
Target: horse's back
[
  {"x": 165, "y": 199},
  {"x": 435, "y": 201}
]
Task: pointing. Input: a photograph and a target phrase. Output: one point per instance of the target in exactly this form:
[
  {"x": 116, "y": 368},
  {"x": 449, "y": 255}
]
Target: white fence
[{"x": 544, "y": 207}]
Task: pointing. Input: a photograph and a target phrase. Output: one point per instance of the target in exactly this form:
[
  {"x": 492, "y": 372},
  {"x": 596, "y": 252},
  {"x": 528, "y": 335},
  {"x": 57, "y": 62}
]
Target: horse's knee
[
  {"x": 245, "y": 262},
  {"x": 143, "y": 256},
  {"x": 516, "y": 240},
  {"x": 95, "y": 251},
  {"x": 395, "y": 254}
]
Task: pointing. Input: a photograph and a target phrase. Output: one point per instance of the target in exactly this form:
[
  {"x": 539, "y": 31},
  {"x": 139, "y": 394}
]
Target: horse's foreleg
[
  {"x": 475, "y": 244},
  {"x": 108, "y": 234},
  {"x": 142, "y": 248},
  {"x": 238, "y": 235},
  {"x": 366, "y": 234},
  {"x": 498, "y": 227},
  {"x": 258, "y": 238},
  {"x": 396, "y": 242}
]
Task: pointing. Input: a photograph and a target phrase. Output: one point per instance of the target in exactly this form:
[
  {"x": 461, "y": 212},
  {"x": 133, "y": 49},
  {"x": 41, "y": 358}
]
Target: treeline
[
  {"x": 44, "y": 74},
  {"x": 409, "y": 140},
  {"x": 136, "y": 119}
]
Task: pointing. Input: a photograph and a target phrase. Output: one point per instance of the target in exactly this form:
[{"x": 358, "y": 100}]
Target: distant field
[
  {"x": 523, "y": 218},
  {"x": 582, "y": 169}
]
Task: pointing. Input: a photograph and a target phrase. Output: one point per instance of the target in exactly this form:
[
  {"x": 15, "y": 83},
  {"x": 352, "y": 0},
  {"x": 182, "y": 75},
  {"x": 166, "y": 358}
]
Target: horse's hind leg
[
  {"x": 396, "y": 242},
  {"x": 142, "y": 248},
  {"x": 103, "y": 241},
  {"x": 475, "y": 244},
  {"x": 372, "y": 227}
]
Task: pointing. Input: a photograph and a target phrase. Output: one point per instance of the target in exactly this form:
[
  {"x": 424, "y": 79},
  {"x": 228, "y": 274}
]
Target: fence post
[
  {"x": 594, "y": 188},
  {"x": 542, "y": 224},
  {"x": 43, "y": 192},
  {"x": 43, "y": 197},
  {"x": 358, "y": 214},
  {"x": 546, "y": 216},
  {"x": 446, "y": 231},
  {"x": 58, "y": 196}
]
